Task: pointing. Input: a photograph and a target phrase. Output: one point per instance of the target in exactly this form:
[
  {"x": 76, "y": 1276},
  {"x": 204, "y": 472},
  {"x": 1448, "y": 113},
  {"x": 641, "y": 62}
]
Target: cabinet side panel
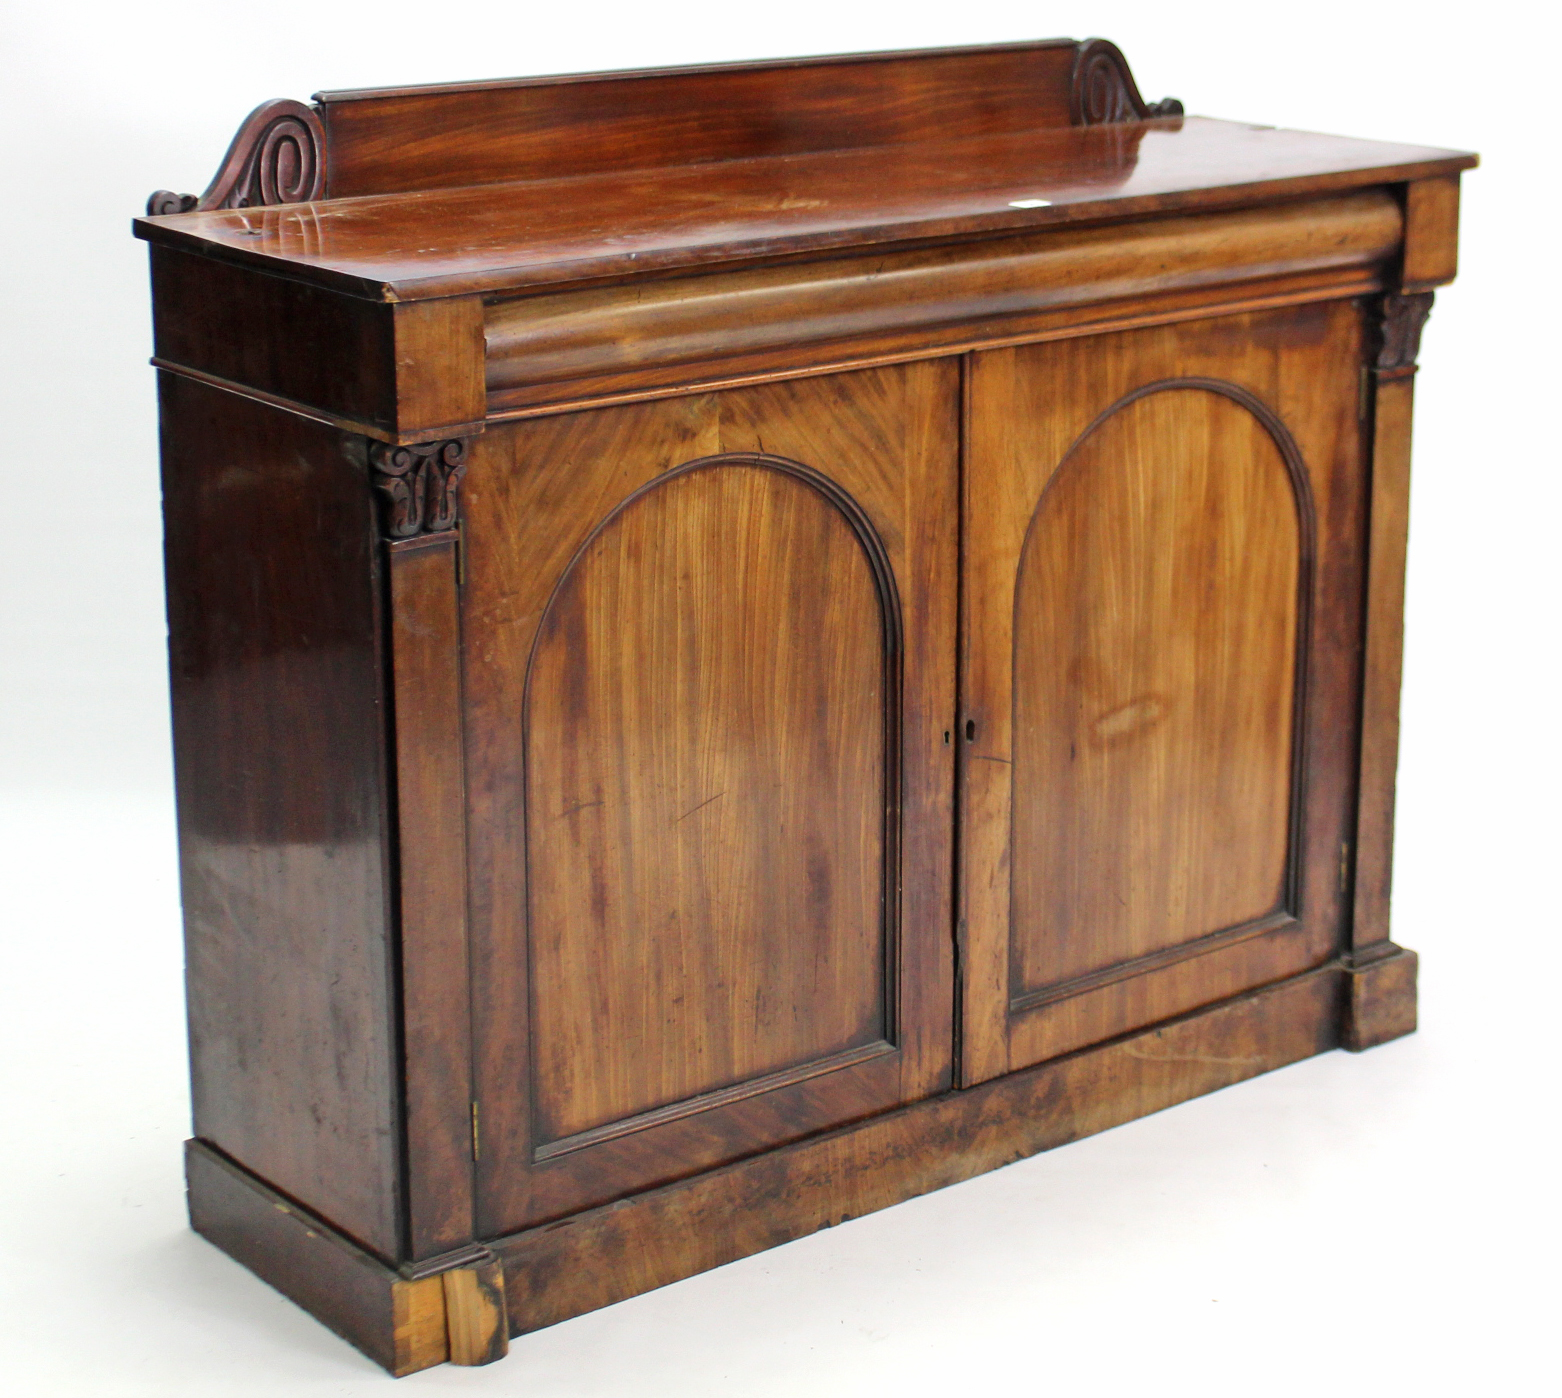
[{"x": 279, "y": 750}]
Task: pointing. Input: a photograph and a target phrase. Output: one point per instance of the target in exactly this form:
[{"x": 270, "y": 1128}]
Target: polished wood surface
[
  {"x": 280, "y": 763},
  {"x": 386, "y": 141},
  {"x": 396, "y": 140},
  {"x": 605, "y": 1255},
  {"x": 439, "y": 349},
  {"x": 511, "y": 237},
  {"x": 746, "y": 644},
  {"x": 664, "y": 1235},
  {"x": 551, "y": 349},
  {"x": 1390, "y": 527},
  {"x": 1431, "y": 257},
  {"x": 1390, "y": 385},
  {"x": 399, "y": 373},
  {"x": 1155, "y": 646},
  {"x": 431, "y": 827},
  {"x": 276, "y": 157},
  {"x": 280, "y": 337},
  {"x": 709, "y": 692},
  {"x": 708, "y": 715},
  {"x": 1381, "y": 998},
  {"x": 399, "y": 1322},
  {"x": 1162, "y": 537},
  {"x": 683, "y": 334}
]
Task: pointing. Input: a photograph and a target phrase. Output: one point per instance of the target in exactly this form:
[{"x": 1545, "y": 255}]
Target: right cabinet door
[{"x": 1162, "y": 598}]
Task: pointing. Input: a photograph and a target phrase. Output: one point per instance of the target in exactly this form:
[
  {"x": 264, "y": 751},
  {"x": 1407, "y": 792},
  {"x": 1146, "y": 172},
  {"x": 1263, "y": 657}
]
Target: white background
[{"x": 1383, "y": 1224}]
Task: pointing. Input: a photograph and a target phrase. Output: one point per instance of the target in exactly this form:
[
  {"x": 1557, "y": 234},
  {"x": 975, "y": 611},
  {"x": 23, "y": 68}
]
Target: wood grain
[
  {"x": 1027, "y": 409},
  {"x": 547, "y": 349},
  {"x": 475, "y": 1316},
  {"x": 1393, "y": 402},
  {"x": 1431, "y": 256},
  {"x": 439, "y": 350},
  {"x": 661, "y": 1236},
  {"x": 281, "y": 760},
  {"x": 706, "y": 728},
  {"x": 385, "y": 141},
  {"x": 1381, "y": 998},
  {"x": 1155, "y": 646},
  {"x": 398, "y": 1322},
  {"x": 276, "y": 157},
  {"x": 391, "y": 372},
  {"x": 927, "y": 611},
  {"x": 551, "y": 234},
  {"x": 297, "y": 342},
  {"x": 718, "y": 770},
  {"x": 431, "y": 849}
]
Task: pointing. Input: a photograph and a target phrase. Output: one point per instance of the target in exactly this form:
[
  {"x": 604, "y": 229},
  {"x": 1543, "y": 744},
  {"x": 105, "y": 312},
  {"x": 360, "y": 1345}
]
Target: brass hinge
[
  {"x": 1344, "y": 866},
  {"x": 476, "y": 1143},
  {"x": 1364, "y": 394}
]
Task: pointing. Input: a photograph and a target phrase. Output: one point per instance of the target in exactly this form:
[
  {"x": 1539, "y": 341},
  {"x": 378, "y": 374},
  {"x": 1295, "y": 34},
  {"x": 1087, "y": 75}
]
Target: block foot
[
  {"x": 447, "y": 1308},
  {"x": 1381, "y": 996}
]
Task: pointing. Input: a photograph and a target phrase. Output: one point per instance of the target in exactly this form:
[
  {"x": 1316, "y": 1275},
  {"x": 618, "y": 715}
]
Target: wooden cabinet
[{"x": 751, "y": 642}]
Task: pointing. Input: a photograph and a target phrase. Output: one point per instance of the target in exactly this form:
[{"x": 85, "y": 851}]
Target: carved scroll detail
[
  {"x": 1399, "y": 330},
  {"x": 421, "y": 485},
  {"x": 1104, "y": 90},
  {"x": 278, "y": 157}
]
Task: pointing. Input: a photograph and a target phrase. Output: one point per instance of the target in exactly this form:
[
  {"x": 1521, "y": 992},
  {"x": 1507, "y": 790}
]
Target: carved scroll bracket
[
  {"x": 1104, "y": 90},
  {"x": 1399, "y": 332},
  {"x": 277, "y": 157},
  {"x": 421, "y": 485}
]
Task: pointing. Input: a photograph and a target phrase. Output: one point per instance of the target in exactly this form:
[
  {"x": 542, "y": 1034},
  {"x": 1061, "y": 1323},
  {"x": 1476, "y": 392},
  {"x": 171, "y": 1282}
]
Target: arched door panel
[
  {"x": 708, "y": 715},
  {"x": 1152, "y": 794},
  {"x": 1157, "y": 615}
]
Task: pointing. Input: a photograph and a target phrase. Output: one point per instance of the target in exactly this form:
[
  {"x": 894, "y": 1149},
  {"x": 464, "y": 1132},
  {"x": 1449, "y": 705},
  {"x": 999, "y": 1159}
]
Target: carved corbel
[
  {"x": 1401, "y": 320},
  {"x": 420, "y": 484},
  {"x": 277, "y": 157},
  {"x": 1104, "y": 91}
]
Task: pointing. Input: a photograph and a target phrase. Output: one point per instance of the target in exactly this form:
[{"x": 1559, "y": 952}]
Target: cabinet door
[
  {"x": 710, "y": 687},
  {"x": 1158, "y": 728}
]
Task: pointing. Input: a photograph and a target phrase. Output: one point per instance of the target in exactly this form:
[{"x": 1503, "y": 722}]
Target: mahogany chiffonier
[{"x": 749, "y": 642}]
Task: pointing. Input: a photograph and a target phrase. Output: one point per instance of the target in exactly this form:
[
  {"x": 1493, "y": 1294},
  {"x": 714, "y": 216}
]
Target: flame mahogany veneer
[{"x": 749, "y": 642}]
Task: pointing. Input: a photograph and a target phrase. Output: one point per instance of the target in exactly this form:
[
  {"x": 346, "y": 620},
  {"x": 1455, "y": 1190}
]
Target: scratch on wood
[
  {"x": 703, "y": 804},
  {"x": 1249, "y": 1061}
]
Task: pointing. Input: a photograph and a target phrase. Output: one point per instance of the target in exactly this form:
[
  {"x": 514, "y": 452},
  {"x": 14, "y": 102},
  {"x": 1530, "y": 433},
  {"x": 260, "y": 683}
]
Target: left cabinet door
[{"x": 709, "y": 691}]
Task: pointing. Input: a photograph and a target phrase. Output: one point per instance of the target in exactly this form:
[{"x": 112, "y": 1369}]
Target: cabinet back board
[
  {"x": 393, "y": 140},
  {"x": 749, "y": 642}
]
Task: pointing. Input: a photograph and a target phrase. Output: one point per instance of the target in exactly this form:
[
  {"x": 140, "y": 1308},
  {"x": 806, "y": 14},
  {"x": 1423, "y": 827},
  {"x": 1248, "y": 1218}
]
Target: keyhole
[
  {"x": 946, "y": 737},
  {"x": 970, "y": 730}
]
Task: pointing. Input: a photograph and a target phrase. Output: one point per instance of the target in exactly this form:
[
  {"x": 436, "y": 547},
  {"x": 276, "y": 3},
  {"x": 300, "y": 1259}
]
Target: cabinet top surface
[{"x": 533, "y": 235}]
